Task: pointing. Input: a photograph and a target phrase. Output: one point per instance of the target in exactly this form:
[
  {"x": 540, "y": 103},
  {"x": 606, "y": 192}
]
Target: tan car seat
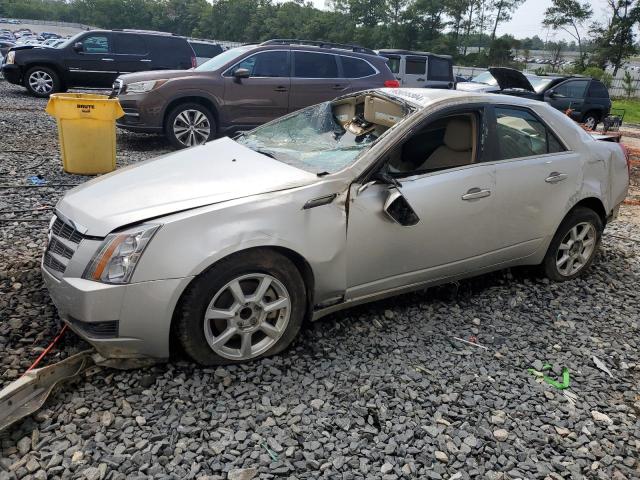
[{"x": 457, "y": 149}]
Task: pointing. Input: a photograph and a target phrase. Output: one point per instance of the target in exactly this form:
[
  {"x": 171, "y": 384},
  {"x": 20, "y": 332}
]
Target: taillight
[
  {"x": 194, "y": 62},
  {"x": 627, "y": 157},
  {"x": 392, "y": 83}
]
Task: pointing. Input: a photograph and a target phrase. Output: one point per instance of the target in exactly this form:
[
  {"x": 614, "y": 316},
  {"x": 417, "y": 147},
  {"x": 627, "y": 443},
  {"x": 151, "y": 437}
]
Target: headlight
[
  {"x": 11, "y": 58},
  {"x": 143, "y": 87},
  {"x": 118, "y": 255}
]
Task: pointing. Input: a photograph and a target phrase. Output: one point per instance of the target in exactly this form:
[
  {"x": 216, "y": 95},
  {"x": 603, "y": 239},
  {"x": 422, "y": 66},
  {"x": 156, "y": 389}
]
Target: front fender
[{"x": 190, "y": 242}]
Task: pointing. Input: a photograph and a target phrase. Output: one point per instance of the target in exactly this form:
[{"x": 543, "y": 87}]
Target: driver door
[
  {"x": 94, "y": 65},
  {"x": 457, "y": 225}
]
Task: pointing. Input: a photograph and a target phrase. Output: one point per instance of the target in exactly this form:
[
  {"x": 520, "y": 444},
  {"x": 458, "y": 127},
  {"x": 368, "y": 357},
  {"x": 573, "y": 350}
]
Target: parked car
[
  {"x": 587, "y": 98},
  {"x": 94, "y": 59},
  {"x": 205, "y": 49},
  {"x": 227, "y": 248},
  {"x": 486, "y": 82},
  {"x": 48, "y": 35},
  {"x": 245, "y": 87},
  {"x": 420, "y": 69}
]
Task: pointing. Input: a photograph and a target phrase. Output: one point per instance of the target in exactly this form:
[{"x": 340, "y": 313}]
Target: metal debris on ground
[
  {"x": 600, "y": 364},
  {"x": 272, "y": 454},
  {"x": 472, "y": 341}
]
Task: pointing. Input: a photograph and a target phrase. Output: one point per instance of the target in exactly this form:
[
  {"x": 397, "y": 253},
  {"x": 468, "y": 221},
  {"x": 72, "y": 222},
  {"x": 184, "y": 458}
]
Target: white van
[{"x": 420, "y": 69}]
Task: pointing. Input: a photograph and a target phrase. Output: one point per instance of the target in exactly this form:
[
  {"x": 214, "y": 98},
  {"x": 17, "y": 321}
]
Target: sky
[{"x": 527, "y": 21}]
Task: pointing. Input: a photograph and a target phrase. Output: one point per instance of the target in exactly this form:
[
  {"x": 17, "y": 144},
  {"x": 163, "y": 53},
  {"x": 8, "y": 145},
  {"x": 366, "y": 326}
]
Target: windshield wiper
[{"x": 267, "y": 153}]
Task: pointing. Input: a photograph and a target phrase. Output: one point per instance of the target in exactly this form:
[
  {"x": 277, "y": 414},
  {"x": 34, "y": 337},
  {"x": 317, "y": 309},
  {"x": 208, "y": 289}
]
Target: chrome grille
[
  {"x": 63, "y": 243},
  {"x": 64, "y": 230}
]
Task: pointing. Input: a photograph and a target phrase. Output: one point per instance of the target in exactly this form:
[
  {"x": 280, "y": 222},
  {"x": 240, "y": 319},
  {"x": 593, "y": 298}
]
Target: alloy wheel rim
[
  {"x": 590, "y": 123},
  {"x": 191, "y": 127},
  {"x": 41, "y": 82},
  {"x": 576, "y": 249},
  {"x": 247, "y": 316}
]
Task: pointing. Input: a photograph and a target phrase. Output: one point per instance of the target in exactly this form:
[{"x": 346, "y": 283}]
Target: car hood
[
  {"x": 509, "y": 78},
  {"x": 218, "y": 171},
  {"x": 154, "y": 75}
]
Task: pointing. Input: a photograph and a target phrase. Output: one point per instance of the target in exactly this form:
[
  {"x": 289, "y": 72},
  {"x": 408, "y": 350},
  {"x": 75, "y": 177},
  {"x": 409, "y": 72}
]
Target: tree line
[{"x": 456, "y": 27}]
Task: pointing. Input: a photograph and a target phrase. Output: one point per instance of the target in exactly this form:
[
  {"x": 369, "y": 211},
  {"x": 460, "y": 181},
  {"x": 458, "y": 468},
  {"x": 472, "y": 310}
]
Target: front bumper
[
  {"x": 120, "y": 321},
  {"x": 142, "y": 112},
  {"x": 12, "y": 73}
]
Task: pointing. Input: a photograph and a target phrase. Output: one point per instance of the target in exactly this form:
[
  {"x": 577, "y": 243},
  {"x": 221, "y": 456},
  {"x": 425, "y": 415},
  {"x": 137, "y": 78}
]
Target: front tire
[
  {"x": 248, "y": 306},
  {"x": 42, "y": 81},
  {"x": 190, "y": 124},
  {"x": 574, "y": 245}
]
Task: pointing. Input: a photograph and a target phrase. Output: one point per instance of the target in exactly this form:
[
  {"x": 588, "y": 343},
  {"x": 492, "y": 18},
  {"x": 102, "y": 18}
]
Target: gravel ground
[{"x": 379, "y": 391}]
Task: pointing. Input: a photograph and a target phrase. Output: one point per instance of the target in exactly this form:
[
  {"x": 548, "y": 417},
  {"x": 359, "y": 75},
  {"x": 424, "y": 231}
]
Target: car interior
[
  {"x": 448, "y": 142},
  {"x": 367, "y": 114}
]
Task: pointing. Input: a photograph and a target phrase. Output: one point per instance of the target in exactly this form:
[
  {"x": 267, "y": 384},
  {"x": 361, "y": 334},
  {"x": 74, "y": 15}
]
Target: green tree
[
  {"x": 615, "y": 41},
  {"x": 569, "y": 16},
  {"x": 503, "y": 12}
]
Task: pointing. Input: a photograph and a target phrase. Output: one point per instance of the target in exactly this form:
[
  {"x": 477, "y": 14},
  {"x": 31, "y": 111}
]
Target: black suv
[
  {"x": 587, "y": 98},
  {"x": 94, "y": 59}
]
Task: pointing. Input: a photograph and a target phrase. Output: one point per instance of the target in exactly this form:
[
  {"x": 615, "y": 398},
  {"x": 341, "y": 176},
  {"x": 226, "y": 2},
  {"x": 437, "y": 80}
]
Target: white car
[{"x": 228, "y": 247}]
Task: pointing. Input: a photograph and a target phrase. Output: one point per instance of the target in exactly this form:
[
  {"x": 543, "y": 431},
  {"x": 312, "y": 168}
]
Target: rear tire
[
  {"x": 42, "y": 81},
  {"x": 248, "y": 306},
  {"x": 190, "y": 124},
  {"x": 574, "y": 246},
  {"x": 591, "y": 120}
]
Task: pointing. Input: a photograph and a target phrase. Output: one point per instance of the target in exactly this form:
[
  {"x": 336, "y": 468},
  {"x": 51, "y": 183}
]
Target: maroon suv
[{"x": 245, "y": 87}]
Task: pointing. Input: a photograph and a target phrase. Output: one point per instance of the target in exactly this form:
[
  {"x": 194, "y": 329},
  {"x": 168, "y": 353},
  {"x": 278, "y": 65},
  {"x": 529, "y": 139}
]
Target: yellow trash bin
[{"x": 87, "y": 131}]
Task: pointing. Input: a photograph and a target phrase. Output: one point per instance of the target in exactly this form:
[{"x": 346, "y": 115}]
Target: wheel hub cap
[
  {"x": 191, "y": 127},
  {"x": 247, "y": 316},
  {"x": 576, "y": 249},
  {"x": 41, "y": 82}
]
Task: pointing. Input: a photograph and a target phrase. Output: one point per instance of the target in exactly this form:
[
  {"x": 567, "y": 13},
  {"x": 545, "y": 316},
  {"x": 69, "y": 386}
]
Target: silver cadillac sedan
[{"x": 227, "y": 248}]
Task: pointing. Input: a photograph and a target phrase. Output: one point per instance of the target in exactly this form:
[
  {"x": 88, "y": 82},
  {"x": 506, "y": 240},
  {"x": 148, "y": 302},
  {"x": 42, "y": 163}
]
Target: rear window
[
  {"x": 572, "y": 88},
  {"x": 314, "y": 65},
  {"x": 416, "y": 66},
  {"x": 394, "y": 64},
  {"x": 598, "y": 90},
  {"x": 172, "y": 47},
  {"x": 131, "y": 44},
  {"x": 356, "y": 67},
  {"x": 206, "y": 50},
  {"x": 439, "y": 69}
]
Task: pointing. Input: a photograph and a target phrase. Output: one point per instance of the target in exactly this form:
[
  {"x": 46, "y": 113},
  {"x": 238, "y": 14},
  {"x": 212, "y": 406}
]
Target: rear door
[
  {"x": 536, "y": 178},
  {"x": 315, "y": 78},
  {"x": 415, "y": 71},
  {"x": 95, "y": 64},
  {"x": 131, "y": 52},
  {"x": 569, "y": 94},
  {"x": 261, "y": 97}
]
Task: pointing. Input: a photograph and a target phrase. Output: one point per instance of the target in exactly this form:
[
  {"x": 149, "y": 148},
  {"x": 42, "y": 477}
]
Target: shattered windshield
[{"x": 317, "y": 139}]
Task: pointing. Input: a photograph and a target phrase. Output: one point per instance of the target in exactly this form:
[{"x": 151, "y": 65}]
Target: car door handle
[
  {"x": 146, "y": 60},
  {"x": 280, "y": 89},
  {"x": 107, "y": 59},
  {"x": 556, "y": 177},
  {"x": 420, "y": 80},
  {"x": 475, "y": 193},
  {"x": 338, "y": 87}
]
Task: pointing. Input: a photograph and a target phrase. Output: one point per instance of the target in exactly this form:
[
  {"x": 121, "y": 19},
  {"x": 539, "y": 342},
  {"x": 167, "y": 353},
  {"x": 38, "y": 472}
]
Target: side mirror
[
  {"x": 78, "y": 47},
  {"x": 241, "y": 73},
  {"x": 550, "y": 93},
  {"x": 398, "y": 209}
]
